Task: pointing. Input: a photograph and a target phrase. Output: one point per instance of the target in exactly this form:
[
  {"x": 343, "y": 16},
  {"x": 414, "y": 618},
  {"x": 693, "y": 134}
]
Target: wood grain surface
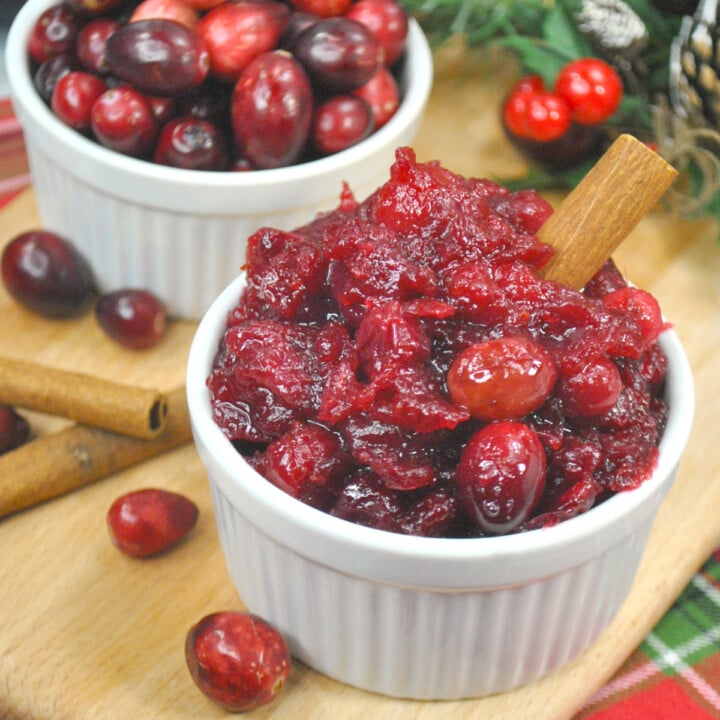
[{"x": 89, "y": 634}]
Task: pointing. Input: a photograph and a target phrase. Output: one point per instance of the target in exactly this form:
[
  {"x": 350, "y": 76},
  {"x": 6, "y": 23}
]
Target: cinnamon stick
[
  {"x": 89, "y": 400},
  {"x": 622, "y": 187},
  {"x": 58, "y": 463}
]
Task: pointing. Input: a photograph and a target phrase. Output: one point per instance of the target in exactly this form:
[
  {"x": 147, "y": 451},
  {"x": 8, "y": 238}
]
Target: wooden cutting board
[{"x": 89, "y": 634}]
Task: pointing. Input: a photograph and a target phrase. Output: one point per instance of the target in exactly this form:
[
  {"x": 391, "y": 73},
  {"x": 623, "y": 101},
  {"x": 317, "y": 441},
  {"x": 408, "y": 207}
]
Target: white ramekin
[
  {"x": 419, "y": 617},
  {"x": 180, "y": 233}
]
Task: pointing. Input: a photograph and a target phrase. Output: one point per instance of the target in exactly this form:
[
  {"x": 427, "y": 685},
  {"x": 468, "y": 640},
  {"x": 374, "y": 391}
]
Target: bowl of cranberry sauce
[
  {"x": 159, "y": 186},
  {"x": 434, "y": 470}
]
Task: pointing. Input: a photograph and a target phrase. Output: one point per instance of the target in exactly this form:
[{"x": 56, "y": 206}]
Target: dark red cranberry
[
  {"x": 501, "y": 476},
  {"x": 159, "y": 57},
  {"x": 94, "y": 7},
  {"x": 54, "y": 32},
  {"x": 14, "y": 428},
  {"x": 381, "y": 93},
  {"x": 322, "y": 8},
  {"x": 338, "y": 54},
  {"x": 123, "y": 120},
  {"x": 91, "y": 42},
  {"x": 46, "y": 274},
  {"x": 341, "y": 122},
  {"x": 237, "y": 659},
  {"x": 73, "y": 97},
  {"x": 502, "y": 379},
  {"x": 192, "y": 144},
  {"x": 133, "y": 318},
  {"x": 297, "y": 23},
  {"x": 387, "y": 20},
  {"x": 47, "y": 74},
  {"x": 238, "y": 32},
  {"x": 593, "y": 391},
  {"x": 150, "y": 521},
  {"x": 272, "y": 110}
]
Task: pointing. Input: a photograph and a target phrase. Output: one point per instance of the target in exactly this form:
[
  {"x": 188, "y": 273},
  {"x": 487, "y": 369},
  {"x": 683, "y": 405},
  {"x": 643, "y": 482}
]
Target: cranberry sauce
[{"x": 400, "y": 363}]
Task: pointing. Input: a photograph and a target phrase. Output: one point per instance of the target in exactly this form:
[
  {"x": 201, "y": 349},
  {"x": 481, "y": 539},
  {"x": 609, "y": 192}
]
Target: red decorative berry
[
  {"x": 592, "y": 89},
  {"x": 501, "y": 476},
  {"x": 237, "y": 659},
  {"x": 150, "y": 521},
  {"x": 122, "y": 119},
  {"x": 538, "y": 115},
  {"x": 14, "y": 428},
  {"x": 502, "y": 379},
  {"x": 133, "y": 318},
  {"x": 46, "y": 274},
  {"x": 73, "y": 97}
]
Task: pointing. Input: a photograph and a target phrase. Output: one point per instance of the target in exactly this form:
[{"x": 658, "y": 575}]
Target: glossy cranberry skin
[
  {"x": 46, "y": 274},
  {"x": 271, "y": 110},
  {"x": 49, "y": 72},
  {"x": 73, "y": 98},
  {"x": 237, "y": 659},
  {"x": 176, "y": 10},
  {"x": 341, "y": 122},
  {"x": 14, "y": 428},
  {"x": 322, "y": 8},
  {"x": 238, "y": 32},
  {"x": 593, "y": 391},
  {"x": 94, "y": 7},
  {"x": 150, "y": 521},
  {"x": 91, "y": 41},
  {"x": 644, "y": 310},
  {"x": 592, "y": 89},
  {"x": 381, "y": 93},
  {"x": 133, "y": 318},
  {"x": 54, "y": 32},
  {"x": 502, "y": 379},
  {"x": 540, "y": 116},
  {"x": 387, "y": 20},
  {"x": 160, "y": 57},
  {"x": 501, "y": 476},
  {"x": 192, "y": 144},
  {"x": 123, "y": 120},
  {"x": 338, "y": 54}
]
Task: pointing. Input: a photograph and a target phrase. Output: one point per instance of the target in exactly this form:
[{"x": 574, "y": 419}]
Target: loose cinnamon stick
[
  {"x": 133, "y": 411},
  {"x": 622, "y": 187},
  {"x": 56, "y": 464}
]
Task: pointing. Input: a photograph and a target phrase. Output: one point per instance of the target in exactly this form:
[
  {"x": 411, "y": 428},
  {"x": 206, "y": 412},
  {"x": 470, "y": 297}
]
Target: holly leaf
[
  {"x": 559, "y": 32},
  {"x": 535, "y": 56}
]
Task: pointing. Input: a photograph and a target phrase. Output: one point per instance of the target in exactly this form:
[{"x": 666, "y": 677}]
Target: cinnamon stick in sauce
[
  {"x": 133, "y": 411},
  {"x": 56, "y": 464},
  {"x": 619, "y": 190}
]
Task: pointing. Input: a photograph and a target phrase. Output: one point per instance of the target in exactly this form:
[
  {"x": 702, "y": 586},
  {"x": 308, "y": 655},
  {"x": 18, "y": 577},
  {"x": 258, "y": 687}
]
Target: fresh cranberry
[
  {"x": 591, "y": 88},
  {"x": 123, "y": 120},
  {"x": 296, "y": 24},
  {"x": 501, "y": 476},
  {"x": 133, "y": 318},
  {"x": 502, "y": 379},
  {"x": 49, "y": 72},
  {"x": 46, "y": 274},
  {"x": 381, "y": 93},
  {"x": 91, "y": 42},
  {"x": 387, "y": 20},
  {"x": 322, "y": 8},
  {"x": 177, "y": 10},
  {"x": 236, "y": 33},
  {"x": 339, "y": 54},
  {"x": 237, "y": 659},
  {"x": 150, "y": 521},
  {"x": 203, "y": 4},
  {"x": 94, "y": 7},
  {"x": 192, "y": 144},
  {"x": 14, "y": 428},
  {"x": 73, "y": 97},
  {"x": 54, "y": 32},
  {"x": 341, "y": 122},
  {"x": 272, "y": 110},
  {"x": 160, "y": 57}
]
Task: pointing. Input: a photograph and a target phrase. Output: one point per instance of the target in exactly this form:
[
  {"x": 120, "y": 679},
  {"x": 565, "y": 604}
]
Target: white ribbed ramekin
[
  {"x": 420, "y": 617},
  {"x": 182, "y": 234}
]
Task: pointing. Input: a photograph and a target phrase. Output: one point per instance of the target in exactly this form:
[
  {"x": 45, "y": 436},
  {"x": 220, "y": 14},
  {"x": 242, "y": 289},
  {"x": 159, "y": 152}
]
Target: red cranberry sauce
[{"x": 332, "y": 377}]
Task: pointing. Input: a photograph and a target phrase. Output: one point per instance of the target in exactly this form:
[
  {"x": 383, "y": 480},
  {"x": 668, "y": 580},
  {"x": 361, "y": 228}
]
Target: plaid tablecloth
[{"x": 675, "y": 673}]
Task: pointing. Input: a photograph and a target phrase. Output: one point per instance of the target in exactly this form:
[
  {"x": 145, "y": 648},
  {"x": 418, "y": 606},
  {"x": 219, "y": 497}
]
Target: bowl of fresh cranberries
[
  {"x": 160, "y": 135},
  {"x": 434, "y": 470}
]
